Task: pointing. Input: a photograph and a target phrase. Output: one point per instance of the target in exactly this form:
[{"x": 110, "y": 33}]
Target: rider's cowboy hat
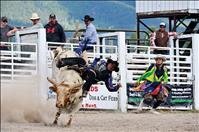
[
  {"x": 34, "y": 16},
  {"x": 159, "y": 56},
  {"x": 115, "y": 63},
  {"x": 87, "y": 18}
]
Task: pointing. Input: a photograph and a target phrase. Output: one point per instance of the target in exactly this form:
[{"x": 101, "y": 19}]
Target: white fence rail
[
  {"x": 19, "y": 61},
  {"x": 179, "y": 67},
  {"x": 106, "y": 99},
  {"x": 27, "y": 59},
  {"x": 104, "y": 51}
]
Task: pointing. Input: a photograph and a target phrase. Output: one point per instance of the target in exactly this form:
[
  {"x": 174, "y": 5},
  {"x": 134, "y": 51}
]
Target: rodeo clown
[{"x": 155, "y": 88}]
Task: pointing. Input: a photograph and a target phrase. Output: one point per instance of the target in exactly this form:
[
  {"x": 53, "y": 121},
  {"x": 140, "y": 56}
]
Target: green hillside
[
  {"x": 107, "y": 14},
  {"x": 19, "y": 12}
]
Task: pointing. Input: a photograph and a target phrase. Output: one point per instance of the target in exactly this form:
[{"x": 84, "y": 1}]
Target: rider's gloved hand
[{"x": 118, "y": 85}]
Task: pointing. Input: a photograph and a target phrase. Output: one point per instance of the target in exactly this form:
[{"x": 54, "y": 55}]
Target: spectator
[
  {"x": 160, "y": 38},
  {"x": 89, "y": 36},
  {"x": 6, "y": 31},
  {"x": 54, "y": 31},
  {"x": 35, "y": 22}
]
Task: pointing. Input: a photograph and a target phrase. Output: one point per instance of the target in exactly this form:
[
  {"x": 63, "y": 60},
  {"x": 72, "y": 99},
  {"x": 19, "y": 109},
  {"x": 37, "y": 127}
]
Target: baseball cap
[
  {"x": 4, "y": 19},
  {"x": 162, "y": 24},
  {"x": 52, "y": 15}
]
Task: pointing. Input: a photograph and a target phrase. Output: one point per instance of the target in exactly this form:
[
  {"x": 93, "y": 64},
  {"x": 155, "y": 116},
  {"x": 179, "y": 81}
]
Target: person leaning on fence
[
  {"x": 89, "y": 36},
  {"x": 54, "y": 31},
  {"x": 155, "y": 88},
  {"x": 160, "y": 38},
  {"x": 6, "y": 32},
  {"x": 100, "y": 70},
  {"x": 35, "y": 22}
]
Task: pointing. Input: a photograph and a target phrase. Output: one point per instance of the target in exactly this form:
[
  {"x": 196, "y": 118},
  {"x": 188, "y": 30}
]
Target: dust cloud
[{"x": 21, "y": 102}]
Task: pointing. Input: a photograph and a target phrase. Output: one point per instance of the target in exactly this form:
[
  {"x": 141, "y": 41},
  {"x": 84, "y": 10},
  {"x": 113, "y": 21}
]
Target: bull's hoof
[
  {"x": 50, "y": 124},
  {"x": 55, "y": 123},
  {"x": 154, "y": 112},
  {"x": 138, "y": 111},
  {"x": 67, "y": 125}
]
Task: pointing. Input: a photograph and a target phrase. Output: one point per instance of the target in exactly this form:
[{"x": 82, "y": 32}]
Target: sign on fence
[
  {"x": 180, "y": 95},
  {"x": 100, "y": 98}
]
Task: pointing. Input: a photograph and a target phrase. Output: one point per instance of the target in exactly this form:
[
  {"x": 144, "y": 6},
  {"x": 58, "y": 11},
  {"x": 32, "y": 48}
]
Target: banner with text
[
  {"x": 100, "y": 98},
  {"x": 180, "y": 95}
]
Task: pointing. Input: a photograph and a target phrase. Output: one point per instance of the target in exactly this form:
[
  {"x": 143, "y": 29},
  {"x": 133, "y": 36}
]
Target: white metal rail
[
  {"x": 19, "y": 61},
  {"x": 179, "y": 67}
]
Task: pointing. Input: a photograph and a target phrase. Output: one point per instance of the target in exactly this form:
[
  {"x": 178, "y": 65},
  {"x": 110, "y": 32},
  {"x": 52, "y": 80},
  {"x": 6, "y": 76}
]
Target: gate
[
  {"x": 180, "y": 62},
  {"x": 98, "y": 97},
  {"x": 183, "y": 63},
  {"x": 179, "y": 72}
]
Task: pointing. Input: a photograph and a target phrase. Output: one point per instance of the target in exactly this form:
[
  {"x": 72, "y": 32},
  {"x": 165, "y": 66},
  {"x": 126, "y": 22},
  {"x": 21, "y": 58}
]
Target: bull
[{"x": 67, "y": 84}]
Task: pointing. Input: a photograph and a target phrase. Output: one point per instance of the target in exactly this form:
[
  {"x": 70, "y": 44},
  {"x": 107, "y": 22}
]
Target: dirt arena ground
[
  {"x": 95, "y": 121},
  {"x": 21, "y": 111}
]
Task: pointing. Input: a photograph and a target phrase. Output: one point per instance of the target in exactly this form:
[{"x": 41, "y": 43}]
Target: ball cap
[
  {"x": 52, "y": 15},
  {"x": 4, "y": 19},
  {"x": 163, "y": 24}
]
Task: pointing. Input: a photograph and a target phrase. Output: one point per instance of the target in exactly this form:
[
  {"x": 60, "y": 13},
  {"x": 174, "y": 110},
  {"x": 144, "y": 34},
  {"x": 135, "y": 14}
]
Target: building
[{"x": 176, "y": 11}]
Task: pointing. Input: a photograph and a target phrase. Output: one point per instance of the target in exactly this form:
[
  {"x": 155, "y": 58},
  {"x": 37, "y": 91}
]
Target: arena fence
[
  {"x": 99, "y": 97},
  {"x": 180, "y": 74},
  {"x": 19, "y": 61},
  {"x": 182, "y": 63}
]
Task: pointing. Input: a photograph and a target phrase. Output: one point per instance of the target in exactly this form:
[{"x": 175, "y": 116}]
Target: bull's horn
[
  {"x": 64, "y": 84},
  {"x": 75, "y": 88},
  {"x": 77, "y": 85},
  {"x": 52, "y": 81}
]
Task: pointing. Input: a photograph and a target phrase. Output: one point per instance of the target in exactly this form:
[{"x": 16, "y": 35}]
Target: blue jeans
[{"x": 84, "y": 45}]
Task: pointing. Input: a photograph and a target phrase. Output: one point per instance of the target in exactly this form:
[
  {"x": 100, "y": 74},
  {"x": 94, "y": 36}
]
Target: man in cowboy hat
[
  {"x": 89, "y": 36},
  {"x": 101, "y": 71},
  {"x": 155, "y": 87},
  {"x": 160, "y": 38},
  {"x": 35, "y": 22}
]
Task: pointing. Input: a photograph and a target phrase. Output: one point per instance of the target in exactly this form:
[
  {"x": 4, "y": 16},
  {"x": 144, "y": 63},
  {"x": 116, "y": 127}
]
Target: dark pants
[
  {"x": 156, "y": 103},
  {"x": 90, "y": 78},
  {"x": 153, "y": 101},
  {"x": 164, "y": 52},
  {"x": 4, "y": 48}
]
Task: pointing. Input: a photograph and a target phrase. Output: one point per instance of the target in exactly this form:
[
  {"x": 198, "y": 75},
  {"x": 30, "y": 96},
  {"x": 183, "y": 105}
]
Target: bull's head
[{"x": 64, "y": 91}]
